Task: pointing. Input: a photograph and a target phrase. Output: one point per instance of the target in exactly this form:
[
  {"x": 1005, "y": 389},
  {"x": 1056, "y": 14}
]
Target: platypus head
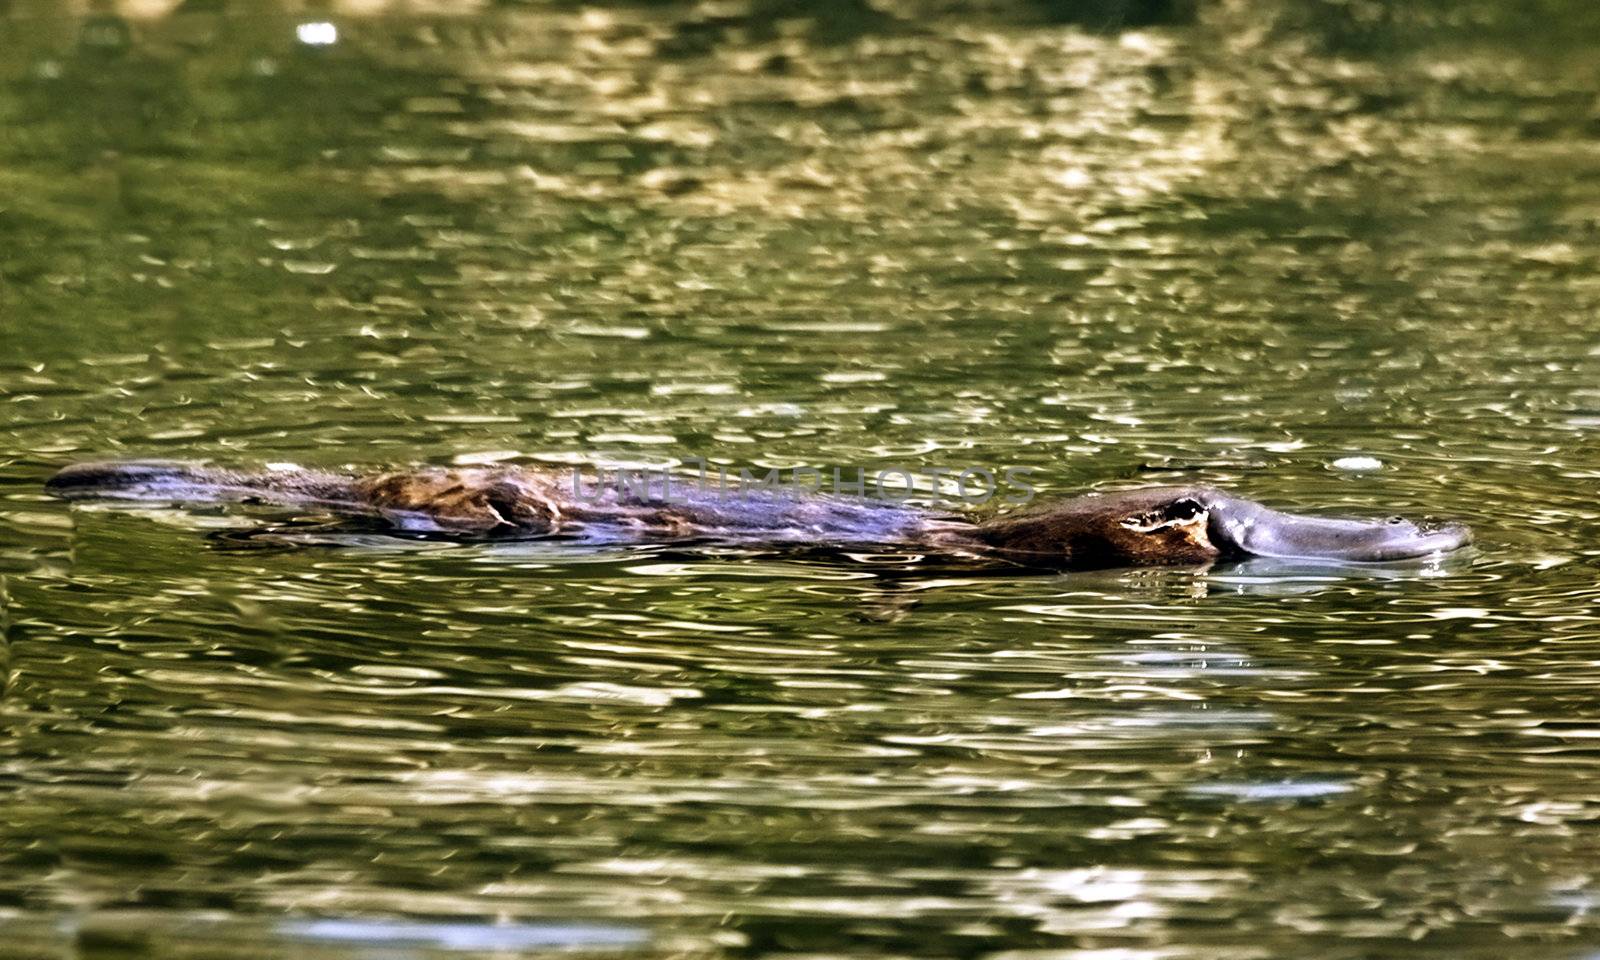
[
  {"x": 1187, "y": 525},
  {"x": 1160, "y": 525}
]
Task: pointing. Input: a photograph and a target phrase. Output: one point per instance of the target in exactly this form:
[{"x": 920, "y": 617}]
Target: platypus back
[
  {"x": 468, "y": 501},
  {"x": 505, "y": 501}
]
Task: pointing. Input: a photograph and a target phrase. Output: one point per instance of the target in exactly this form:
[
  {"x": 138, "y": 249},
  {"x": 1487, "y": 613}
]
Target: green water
[{"x": 1237, "y": 249}]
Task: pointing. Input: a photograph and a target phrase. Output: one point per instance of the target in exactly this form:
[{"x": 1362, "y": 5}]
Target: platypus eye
[
  {"x": 1185, "y": 509},
  {"x": 1178, "y": 511}
]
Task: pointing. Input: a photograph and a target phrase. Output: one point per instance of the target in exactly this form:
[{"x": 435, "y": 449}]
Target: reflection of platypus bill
[{"x": 1154, "y": 525}]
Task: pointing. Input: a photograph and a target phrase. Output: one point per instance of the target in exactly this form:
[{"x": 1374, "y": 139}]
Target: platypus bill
[{"x": 1144, "y": 527}]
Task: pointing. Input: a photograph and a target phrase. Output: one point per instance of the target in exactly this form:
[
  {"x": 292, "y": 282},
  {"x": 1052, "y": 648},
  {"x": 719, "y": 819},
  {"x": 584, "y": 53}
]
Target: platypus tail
[{"x": 177, "y": 481}]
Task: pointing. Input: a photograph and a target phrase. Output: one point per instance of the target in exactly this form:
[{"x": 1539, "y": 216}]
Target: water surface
[{"x": 1324, "y": 271}]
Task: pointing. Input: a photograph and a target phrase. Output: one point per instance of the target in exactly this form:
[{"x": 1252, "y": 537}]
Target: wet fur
[{"x": 1125, "y": 529}]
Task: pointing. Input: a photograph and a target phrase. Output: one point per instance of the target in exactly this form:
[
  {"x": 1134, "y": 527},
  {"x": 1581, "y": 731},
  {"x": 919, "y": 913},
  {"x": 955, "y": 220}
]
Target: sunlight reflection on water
[{"x": 1335, "y": 279}]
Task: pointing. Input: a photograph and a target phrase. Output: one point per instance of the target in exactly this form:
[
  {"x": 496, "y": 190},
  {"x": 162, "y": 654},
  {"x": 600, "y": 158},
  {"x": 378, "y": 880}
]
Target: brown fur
[
  {"x": 1126, "y": 529},
  {"x": 466, "y": 501},
  {"x": 1095, "y": 531}
]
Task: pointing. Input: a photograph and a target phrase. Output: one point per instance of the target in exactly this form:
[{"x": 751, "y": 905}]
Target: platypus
[{"x": 1167, "y": 525}]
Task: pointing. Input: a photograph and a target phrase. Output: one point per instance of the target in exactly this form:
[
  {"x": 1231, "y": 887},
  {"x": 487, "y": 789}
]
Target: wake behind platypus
[{"x": 1149, "y": 526}]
